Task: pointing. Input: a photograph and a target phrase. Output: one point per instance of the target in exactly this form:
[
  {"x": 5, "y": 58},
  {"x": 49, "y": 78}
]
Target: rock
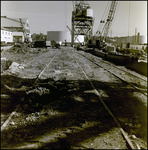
[
  {"x": 15, "y": 67},
  {"x": 133, "y": 136},
  {"x": 14, "y": 64},
  {"x": 5, "y": 96},
  {"x": 12, "y": 123}
]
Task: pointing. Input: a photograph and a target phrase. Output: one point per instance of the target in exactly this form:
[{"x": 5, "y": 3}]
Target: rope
[{"x": 103, "y": 17}]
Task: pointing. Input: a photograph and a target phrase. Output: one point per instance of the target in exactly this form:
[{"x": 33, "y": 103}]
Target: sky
[{"x": 130, "y": 16}]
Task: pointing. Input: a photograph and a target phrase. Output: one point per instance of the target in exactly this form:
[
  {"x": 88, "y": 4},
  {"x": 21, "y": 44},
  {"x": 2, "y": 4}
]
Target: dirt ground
[{"x": 62, "y": 110}]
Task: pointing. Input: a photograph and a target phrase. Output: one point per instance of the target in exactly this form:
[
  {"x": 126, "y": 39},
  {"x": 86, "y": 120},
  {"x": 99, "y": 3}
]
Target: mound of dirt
[{"x": 24, "y": 48}]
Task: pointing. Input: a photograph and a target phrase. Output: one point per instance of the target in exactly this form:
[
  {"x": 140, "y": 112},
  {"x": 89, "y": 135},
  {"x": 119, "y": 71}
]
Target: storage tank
[
  {"x": 59, "y": 36},
  {"x": 89, "y": 13},
  {"x": 143, "y": 39}
]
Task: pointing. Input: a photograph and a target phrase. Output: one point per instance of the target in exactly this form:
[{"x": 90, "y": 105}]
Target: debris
[
  {"x": 39, "y": 90},
  {"x": 12, "y": 123},
  {"x": 23, "y": 88},
  {"x": 5, "y": 96},
  {"x": 138, "y": 146},
  {"x": 105, "y": 142},
  {"x": 15, "y": 67},
  {"x": 133, "y": 136},
  {"x": 33, "y": 116}
]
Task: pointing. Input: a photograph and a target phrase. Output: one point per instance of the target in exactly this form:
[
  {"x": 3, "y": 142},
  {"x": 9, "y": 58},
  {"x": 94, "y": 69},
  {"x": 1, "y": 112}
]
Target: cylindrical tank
[
  {"x": 89, "y": 13},
  {"x": 142, "y": 39},
  {"x": 58, "y": 36}
]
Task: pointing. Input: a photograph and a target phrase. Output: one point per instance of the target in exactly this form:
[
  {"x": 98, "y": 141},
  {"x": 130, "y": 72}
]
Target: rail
[
  {"x": 117, "y": 76},
  {"x": 98, "y": 94},
  {"x": 37, "y": 78}
]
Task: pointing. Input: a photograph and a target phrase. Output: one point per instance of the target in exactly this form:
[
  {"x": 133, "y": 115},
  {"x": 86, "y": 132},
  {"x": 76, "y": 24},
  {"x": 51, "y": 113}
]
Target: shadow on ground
[{"x": 76, "y": 102}]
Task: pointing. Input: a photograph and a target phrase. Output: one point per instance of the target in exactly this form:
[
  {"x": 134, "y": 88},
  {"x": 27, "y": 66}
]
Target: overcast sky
[{"x": 56, "y": 15}]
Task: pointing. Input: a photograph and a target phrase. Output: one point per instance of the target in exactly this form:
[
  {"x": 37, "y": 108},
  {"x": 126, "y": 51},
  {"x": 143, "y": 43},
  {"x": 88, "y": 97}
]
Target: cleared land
[{"x": 62, "y": 110}]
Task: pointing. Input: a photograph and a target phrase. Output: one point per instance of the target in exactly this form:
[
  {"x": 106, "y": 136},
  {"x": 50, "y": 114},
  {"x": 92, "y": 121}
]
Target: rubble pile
[
  {"x": 15, "y": 68},
  {"x": 33, "y": 100},
  {"x": 24, "y": 48},
  {"x": 39, "y": 90},
  {"x": 19, "y": 48}
]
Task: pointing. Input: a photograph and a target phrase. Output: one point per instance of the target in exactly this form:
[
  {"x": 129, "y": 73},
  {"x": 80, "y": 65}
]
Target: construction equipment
[
  {"x": 26, "y": 39},
  {"x": 54, "y": 44},
  {"x": 71, "y": 34},
  {"x": 108, "y": 22},
  {"x": 23, "y": 30},
  {"x": 98, "y": 40},
  {"x": 82, "y": 20}
]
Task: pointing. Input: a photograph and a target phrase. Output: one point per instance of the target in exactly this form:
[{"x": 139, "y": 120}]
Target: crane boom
[
  {"x": 99, "y": 39},
  {"x": 108, "y": 22},
  {"x": 10, "y": 19},
  {"x": 22, "y": 24},
  {"x": 24, "y": 33},
  {"x": 109, "y": 19}
]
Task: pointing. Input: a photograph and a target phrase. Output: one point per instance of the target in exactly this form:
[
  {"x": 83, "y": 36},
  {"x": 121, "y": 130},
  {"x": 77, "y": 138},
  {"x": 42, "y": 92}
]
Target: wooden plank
[{"x": 9, "y": 118}]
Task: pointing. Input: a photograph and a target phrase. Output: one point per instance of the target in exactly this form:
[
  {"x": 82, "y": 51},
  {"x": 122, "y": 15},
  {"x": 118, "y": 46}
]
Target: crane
[
  {"x": 71, "y": 33},
  {"x": 97, "y": 41},
  {"x": 108, "y": 22},
  {"x": 19, "y": 21},
  {"x": 81, "y": 21}
]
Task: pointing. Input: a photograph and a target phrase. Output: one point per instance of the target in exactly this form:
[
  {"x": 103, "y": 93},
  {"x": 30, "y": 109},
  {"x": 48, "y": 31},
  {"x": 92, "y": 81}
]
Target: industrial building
[
  {"x": 19, "y": 28},
  {"x": 6, "y": 35},
  {"x": 139, "y": 39}
]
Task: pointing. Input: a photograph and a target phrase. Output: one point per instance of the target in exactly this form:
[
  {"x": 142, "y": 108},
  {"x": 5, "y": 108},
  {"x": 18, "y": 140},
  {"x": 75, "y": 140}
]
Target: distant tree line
[{"x": 38, "y": 37}]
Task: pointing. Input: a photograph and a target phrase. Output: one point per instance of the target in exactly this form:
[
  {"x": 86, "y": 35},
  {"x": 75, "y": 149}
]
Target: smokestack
[
  {"x": 138, "y": 38},
  {"x": 135, "y": 35}
]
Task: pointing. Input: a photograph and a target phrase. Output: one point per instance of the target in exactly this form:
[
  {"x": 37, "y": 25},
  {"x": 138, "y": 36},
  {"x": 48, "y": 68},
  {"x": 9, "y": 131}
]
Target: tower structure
[{"x": 82, "y": 20}]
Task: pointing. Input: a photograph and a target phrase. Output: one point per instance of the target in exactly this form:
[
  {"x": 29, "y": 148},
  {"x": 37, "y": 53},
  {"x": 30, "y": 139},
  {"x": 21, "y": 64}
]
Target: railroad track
[
  {"x": 34, "y": 60},
  {"x": 36, "y": 80},
  {"x": 123, "y": 70},
  {"x": 138, "y": 89},
  {"x": 108, "y": 110},
  {"x": 96, "y": 92}
]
